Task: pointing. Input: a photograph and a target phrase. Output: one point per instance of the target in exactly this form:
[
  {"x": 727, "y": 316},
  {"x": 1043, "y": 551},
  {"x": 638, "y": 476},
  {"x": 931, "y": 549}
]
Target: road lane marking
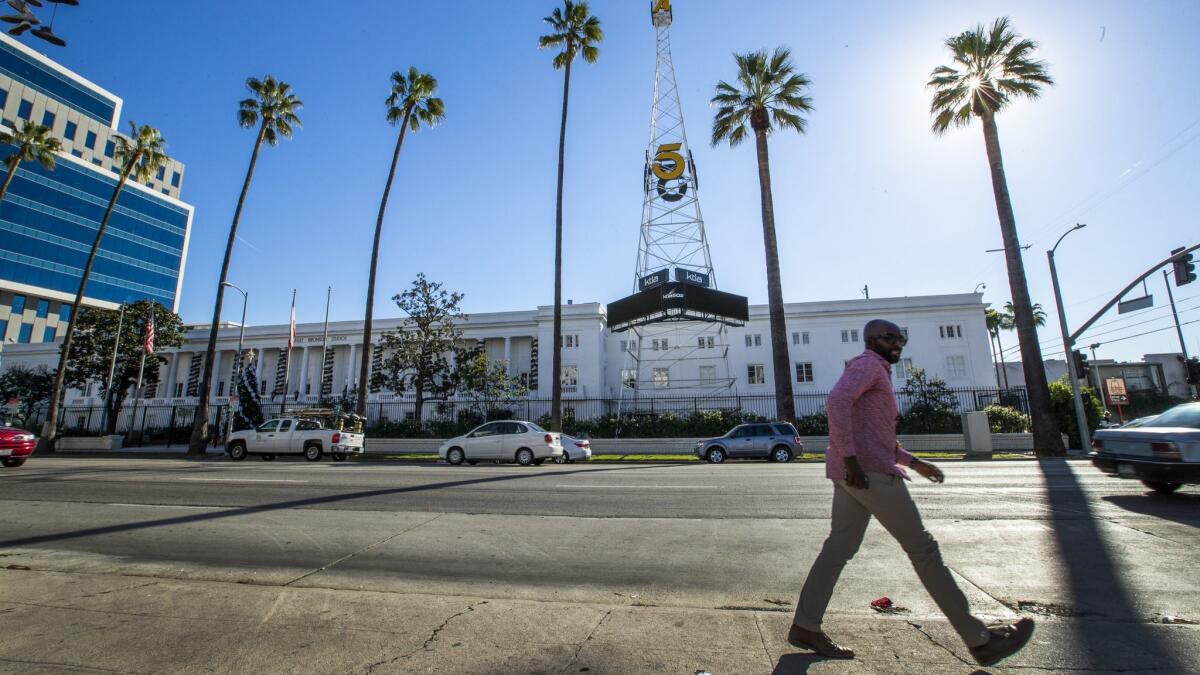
[
  {"x": 642, "y": 487},
  {"x": 245, "y": 480},
  {"x": 165, "y": 506}
]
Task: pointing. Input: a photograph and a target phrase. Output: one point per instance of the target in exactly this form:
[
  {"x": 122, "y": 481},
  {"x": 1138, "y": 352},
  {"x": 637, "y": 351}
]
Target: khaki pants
[{"x": 888, "y": 500}]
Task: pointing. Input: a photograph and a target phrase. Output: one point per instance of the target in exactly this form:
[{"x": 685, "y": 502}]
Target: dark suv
[{"x": 773, "y": 441}]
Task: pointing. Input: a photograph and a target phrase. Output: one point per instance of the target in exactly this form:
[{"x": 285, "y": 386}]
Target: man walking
[{"x": 866, "y": 464}]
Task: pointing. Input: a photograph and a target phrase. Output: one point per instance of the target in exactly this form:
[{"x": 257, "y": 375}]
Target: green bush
[
  {"x": 1004, "y": 419},
  {"x": 816, "y": 424},
  {"x": 1063, "y": 405},
  {"x": 932, "y": 407}
]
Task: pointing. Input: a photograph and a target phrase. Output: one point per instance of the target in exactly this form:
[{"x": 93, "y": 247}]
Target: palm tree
[
  {"x": 273, "y": 108},
  {"x": 411, "y": 103},
  {"x": 33, "y": 142},
  {"x": 995, "y": 320},
  {"x": 141, "y": 156},
  {"x": 575, "y": 32},
  {"x": 770, "y": 95},
  {"x": 990, "y": 67},
  {"x": 1039, "y": 315}
]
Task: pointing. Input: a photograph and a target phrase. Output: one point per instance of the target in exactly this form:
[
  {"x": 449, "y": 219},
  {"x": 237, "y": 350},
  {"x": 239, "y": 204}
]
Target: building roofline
[{"x": 51, "y": 63}]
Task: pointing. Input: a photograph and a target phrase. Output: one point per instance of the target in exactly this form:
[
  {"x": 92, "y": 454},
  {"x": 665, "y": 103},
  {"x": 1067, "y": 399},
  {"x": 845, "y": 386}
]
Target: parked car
[
  {"x": 1163, "y": 453},
  {"x": 773, "y": 441},
  {"x": 1137, "y": 422},
  {"x": 509, "y": 441},
  {"x": 306, "y": 436},
  {"x": 574, "y": 449},
  {"x": 16, "y": 445}
]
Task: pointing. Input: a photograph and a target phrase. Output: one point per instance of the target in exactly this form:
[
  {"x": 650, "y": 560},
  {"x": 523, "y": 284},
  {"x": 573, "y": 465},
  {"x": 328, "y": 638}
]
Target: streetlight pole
[
  {"x": 1178, "y": 329},
  {"x": 1085, "y": 437},
  {"x": 237, "y": 364}
]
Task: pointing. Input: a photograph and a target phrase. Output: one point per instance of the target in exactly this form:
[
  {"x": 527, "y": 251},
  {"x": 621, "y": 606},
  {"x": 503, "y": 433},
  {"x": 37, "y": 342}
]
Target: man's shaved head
[{"x": 885, "y": 339}]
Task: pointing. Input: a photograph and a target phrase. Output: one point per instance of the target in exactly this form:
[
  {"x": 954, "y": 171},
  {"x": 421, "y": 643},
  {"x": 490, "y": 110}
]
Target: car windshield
[
  {"x": 1179, "y": 416},
  {"x": 535, "y": 427}
]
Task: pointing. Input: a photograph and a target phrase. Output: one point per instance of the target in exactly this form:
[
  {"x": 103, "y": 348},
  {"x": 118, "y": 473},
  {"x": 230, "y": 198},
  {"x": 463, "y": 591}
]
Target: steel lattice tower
[{"x": 672, "y": 357}]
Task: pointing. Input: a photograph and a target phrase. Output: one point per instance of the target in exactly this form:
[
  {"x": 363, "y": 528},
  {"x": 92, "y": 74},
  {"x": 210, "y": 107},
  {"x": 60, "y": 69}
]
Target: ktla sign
[
  {"x": 691, "y": 277},
  {"x": 652, "y": 280}
]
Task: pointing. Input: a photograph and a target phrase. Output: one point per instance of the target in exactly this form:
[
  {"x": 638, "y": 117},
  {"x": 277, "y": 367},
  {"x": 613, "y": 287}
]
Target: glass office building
[{"x": 49, "y": 218}]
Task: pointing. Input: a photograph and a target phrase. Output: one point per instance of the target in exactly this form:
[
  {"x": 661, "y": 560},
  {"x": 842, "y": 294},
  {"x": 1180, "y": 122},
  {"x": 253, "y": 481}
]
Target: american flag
[
  {"x": 149, "y": 343},
  {"x": 292, "y": 327}
]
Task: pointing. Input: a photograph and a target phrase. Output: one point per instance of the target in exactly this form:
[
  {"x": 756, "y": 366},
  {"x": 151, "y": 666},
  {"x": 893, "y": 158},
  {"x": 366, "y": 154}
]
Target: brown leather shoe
[
  {"x": 1006, "y": 640},
  {"x": 817, "y": 642}
]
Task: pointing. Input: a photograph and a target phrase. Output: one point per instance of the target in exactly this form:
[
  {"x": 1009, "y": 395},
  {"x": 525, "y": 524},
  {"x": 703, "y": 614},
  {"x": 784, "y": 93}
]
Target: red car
[{"x": 16, "y": 445}]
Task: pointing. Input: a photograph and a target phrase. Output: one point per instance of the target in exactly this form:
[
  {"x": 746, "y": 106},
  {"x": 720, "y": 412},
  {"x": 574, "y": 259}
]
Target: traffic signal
[
  {"x": 1080, "y": 363},
  {"x": 1192, "y": 367},
  {"x": 1185, "y": 269}
]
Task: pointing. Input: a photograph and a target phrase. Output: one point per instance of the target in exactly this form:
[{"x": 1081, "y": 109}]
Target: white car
[
  {"x": 293, "y": 436},
  {"x": 509, "y": 441},
  {"x": 574, "y": 449}
]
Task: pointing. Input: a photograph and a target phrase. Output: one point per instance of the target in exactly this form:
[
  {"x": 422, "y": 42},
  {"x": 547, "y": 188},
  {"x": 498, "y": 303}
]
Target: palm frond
[
  {"x": 574, "y": 31},
  {"x": 768, "y": 95}
]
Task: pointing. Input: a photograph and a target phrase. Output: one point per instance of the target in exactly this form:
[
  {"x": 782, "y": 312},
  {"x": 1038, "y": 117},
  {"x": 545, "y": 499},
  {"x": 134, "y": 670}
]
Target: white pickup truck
[{"x": 293, "y": 436}]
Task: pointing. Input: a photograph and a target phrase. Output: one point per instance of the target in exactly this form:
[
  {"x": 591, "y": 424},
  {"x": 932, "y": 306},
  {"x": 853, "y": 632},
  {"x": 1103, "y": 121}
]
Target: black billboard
[
  {"x": 691, "y": 276},
  {"x": 651, "y": 280},
  {"x": 676, "y": 301}
]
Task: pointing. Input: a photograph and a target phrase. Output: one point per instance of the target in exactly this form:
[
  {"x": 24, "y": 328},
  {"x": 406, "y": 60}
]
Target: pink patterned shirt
[{"x": 862, "y": 420}]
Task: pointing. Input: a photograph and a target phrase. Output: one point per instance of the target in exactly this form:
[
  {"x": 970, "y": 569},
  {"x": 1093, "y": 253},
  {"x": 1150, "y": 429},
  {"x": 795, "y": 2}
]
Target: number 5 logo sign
[{"x": 668, "y": 165}]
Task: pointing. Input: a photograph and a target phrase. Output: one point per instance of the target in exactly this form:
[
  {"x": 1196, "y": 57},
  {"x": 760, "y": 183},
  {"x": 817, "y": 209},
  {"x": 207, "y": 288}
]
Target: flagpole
[
  {"x": 112, "y": 369},
  {"x": 325, "y": 340},
  {"x": 287, "y": 370}
]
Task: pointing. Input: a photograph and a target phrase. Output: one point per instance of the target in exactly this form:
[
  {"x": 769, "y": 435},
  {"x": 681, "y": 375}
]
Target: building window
[
  {"x": 956, "y": 366},
  {"x": 48, "y": 119},
  {"x": 705, "y": 342},
  {"x": 43, "y": 308},
  {"x": 179, "y": 390},
  {"x": 109, "y": 148},
  {"x": 755, "y": 374},
  {"x": 221, "y": 388},
  {"x": 162, "y": 172},
  {"x": 854, "y": 335},
  {"x": 570, "y": 376},
  {"x": 654, "y": 344},
  {"x": 91, "y": 140},
  {"x": 26, "y": 333},
  {"x": 570, "y": 341},
  {"x": 175, "y": 179},
  {"x": 49, "y": 334},
  {"x": 902, "y": 369},
  {"x": 78, "y": 153},
  {"x": 3, "y": 98},
  {"x": 18, "y": 306},
  {"x": 904, "y": 332},
  {"x": 950, "y": 331},
  {"x": 70, "y": 131},
  {"x": 800, "y": 338},
  {"x": 25, "y": 109},
  {"x": 64, "y": 313},
  {"x": 629, "y": 378},
  {"x": 708, "y": 375},
  {"x": 804, "y": 372},
  {"x": 3, "y": 329},
  {"x": 662, "y": 378},
  {"x": 845, "y": 336},
  {"x": 754, "y": 340}
]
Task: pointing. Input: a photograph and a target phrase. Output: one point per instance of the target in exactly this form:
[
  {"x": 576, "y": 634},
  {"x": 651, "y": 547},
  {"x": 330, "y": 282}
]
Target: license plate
[
  {"x": 5, "y": 453},
  {"x": 1126, "y": 470}
]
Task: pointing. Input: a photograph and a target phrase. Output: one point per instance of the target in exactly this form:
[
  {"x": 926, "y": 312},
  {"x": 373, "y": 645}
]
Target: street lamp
[
  {"x": 1080, "y": 416},
  {"x": 979, "y": 286},
  {"x": 238, "y": 363}
]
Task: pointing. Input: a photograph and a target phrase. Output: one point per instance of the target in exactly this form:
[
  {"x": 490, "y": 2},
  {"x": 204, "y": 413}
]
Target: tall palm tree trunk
[
  {"x": 12, "y": 171},
  {"x": 1047, "y": 442},
  {"x": 556, "y": 368},
  {"x": 200, "y": 424},
  {"x": 364, "y": 370},
  {"x": 50, "y": 427},
  {"x": 785, "y": 407}
]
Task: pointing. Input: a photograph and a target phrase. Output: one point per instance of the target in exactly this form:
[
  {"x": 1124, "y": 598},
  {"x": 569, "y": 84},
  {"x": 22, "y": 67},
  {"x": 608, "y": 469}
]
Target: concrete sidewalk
[{"x": 54, "y": 622}]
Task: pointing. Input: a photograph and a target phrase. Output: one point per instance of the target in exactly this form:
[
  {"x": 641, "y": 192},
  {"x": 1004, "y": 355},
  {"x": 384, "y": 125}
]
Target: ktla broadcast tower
[{"x": 676, "y": 317}]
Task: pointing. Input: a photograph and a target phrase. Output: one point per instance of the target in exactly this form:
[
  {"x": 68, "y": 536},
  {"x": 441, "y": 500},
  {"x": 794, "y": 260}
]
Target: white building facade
[{"x": 947, "y": 338}]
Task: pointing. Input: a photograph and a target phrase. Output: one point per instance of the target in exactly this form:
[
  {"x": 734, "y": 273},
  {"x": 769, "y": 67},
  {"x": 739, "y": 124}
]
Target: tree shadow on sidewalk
[{"x": 1094, "y": 581}]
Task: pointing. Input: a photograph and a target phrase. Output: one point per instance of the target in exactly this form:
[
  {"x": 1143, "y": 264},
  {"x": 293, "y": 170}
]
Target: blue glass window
[
  {"x": 35, "y": 74},
  {"x": 64, "y": 313},
  {"x": 70, "y": 131},
  {"x": 49, "y": 334},
  {"x": 175, "y": 179},
  {"x": 48, "y": 119},
  {"x": 3, "y": 98},
  {"x": 26, "y": 333},
  {"x": 18, "y": 305},
  {"x": 77, "y": 153},
  {"x": 109, "y": 147},
  {"x": 162, "y": 171},
  {"x": 43, "y": 307},
  {"x": 91, "y": 140},
  {"x": 25, "y": 109},
  {"x": 4, "y": 331}
]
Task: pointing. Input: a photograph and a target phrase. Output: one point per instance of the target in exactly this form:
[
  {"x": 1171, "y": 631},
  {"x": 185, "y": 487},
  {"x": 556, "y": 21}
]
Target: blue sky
[{"x": 867, "y": 197}]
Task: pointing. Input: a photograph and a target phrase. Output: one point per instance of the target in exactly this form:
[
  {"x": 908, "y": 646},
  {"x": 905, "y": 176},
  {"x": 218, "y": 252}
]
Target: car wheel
[
  {"x": 237, "y": 451},
  {"x": 313, "y": 453},
  {"x": 562, "y": 459},
  {"x": 1162, "y": 487},
  {"x": 338, "y": 456},
  {"x": 455, "y": 456},
  {"x": 716, "y": 456},
  {"x": 780, "y": 453},
  {"x": 13, "y": 462},
  {"x": 524, "y": 457}
]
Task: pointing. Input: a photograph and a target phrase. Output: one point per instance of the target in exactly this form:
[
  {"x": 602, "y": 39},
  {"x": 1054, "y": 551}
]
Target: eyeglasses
[{"x": 893, "y": 338}]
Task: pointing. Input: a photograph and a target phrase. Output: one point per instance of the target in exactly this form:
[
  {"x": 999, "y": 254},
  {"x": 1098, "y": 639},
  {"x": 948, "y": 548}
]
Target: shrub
[
  {"x": 813, "y": 425},
  {"x": 1004, "y": 419},
  {"x": 1063, "y": 405},
  {"x": 932, "y": 409}
]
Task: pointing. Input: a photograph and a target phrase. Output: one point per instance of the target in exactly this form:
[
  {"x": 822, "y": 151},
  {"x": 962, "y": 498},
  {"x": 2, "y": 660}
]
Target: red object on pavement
[{"x": 882, "y": 603}]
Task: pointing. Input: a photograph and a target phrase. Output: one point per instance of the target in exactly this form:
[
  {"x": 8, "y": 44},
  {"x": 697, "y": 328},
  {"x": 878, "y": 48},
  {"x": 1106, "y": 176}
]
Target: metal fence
[{"x": 172, "y": 424}]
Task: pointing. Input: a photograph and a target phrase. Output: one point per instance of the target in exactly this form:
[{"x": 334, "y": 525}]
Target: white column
[
  {"x": 216, "y": 372},
  {"x": 351, "y": 370},
  {"x": 304, "y": 372},
  {"x": 508, "y": 366}
]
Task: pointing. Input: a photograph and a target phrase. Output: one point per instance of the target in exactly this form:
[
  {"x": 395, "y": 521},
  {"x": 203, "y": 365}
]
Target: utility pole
[
  {"x": 1085, "y": 439},
  {"x": 112, "y": 369},
  {"x": 1178, "y": 329},
  {"x": 325, "y": 343}
]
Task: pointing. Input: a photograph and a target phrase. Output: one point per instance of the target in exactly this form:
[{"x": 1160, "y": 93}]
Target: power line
[{"x": 1056, "y": 344}]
